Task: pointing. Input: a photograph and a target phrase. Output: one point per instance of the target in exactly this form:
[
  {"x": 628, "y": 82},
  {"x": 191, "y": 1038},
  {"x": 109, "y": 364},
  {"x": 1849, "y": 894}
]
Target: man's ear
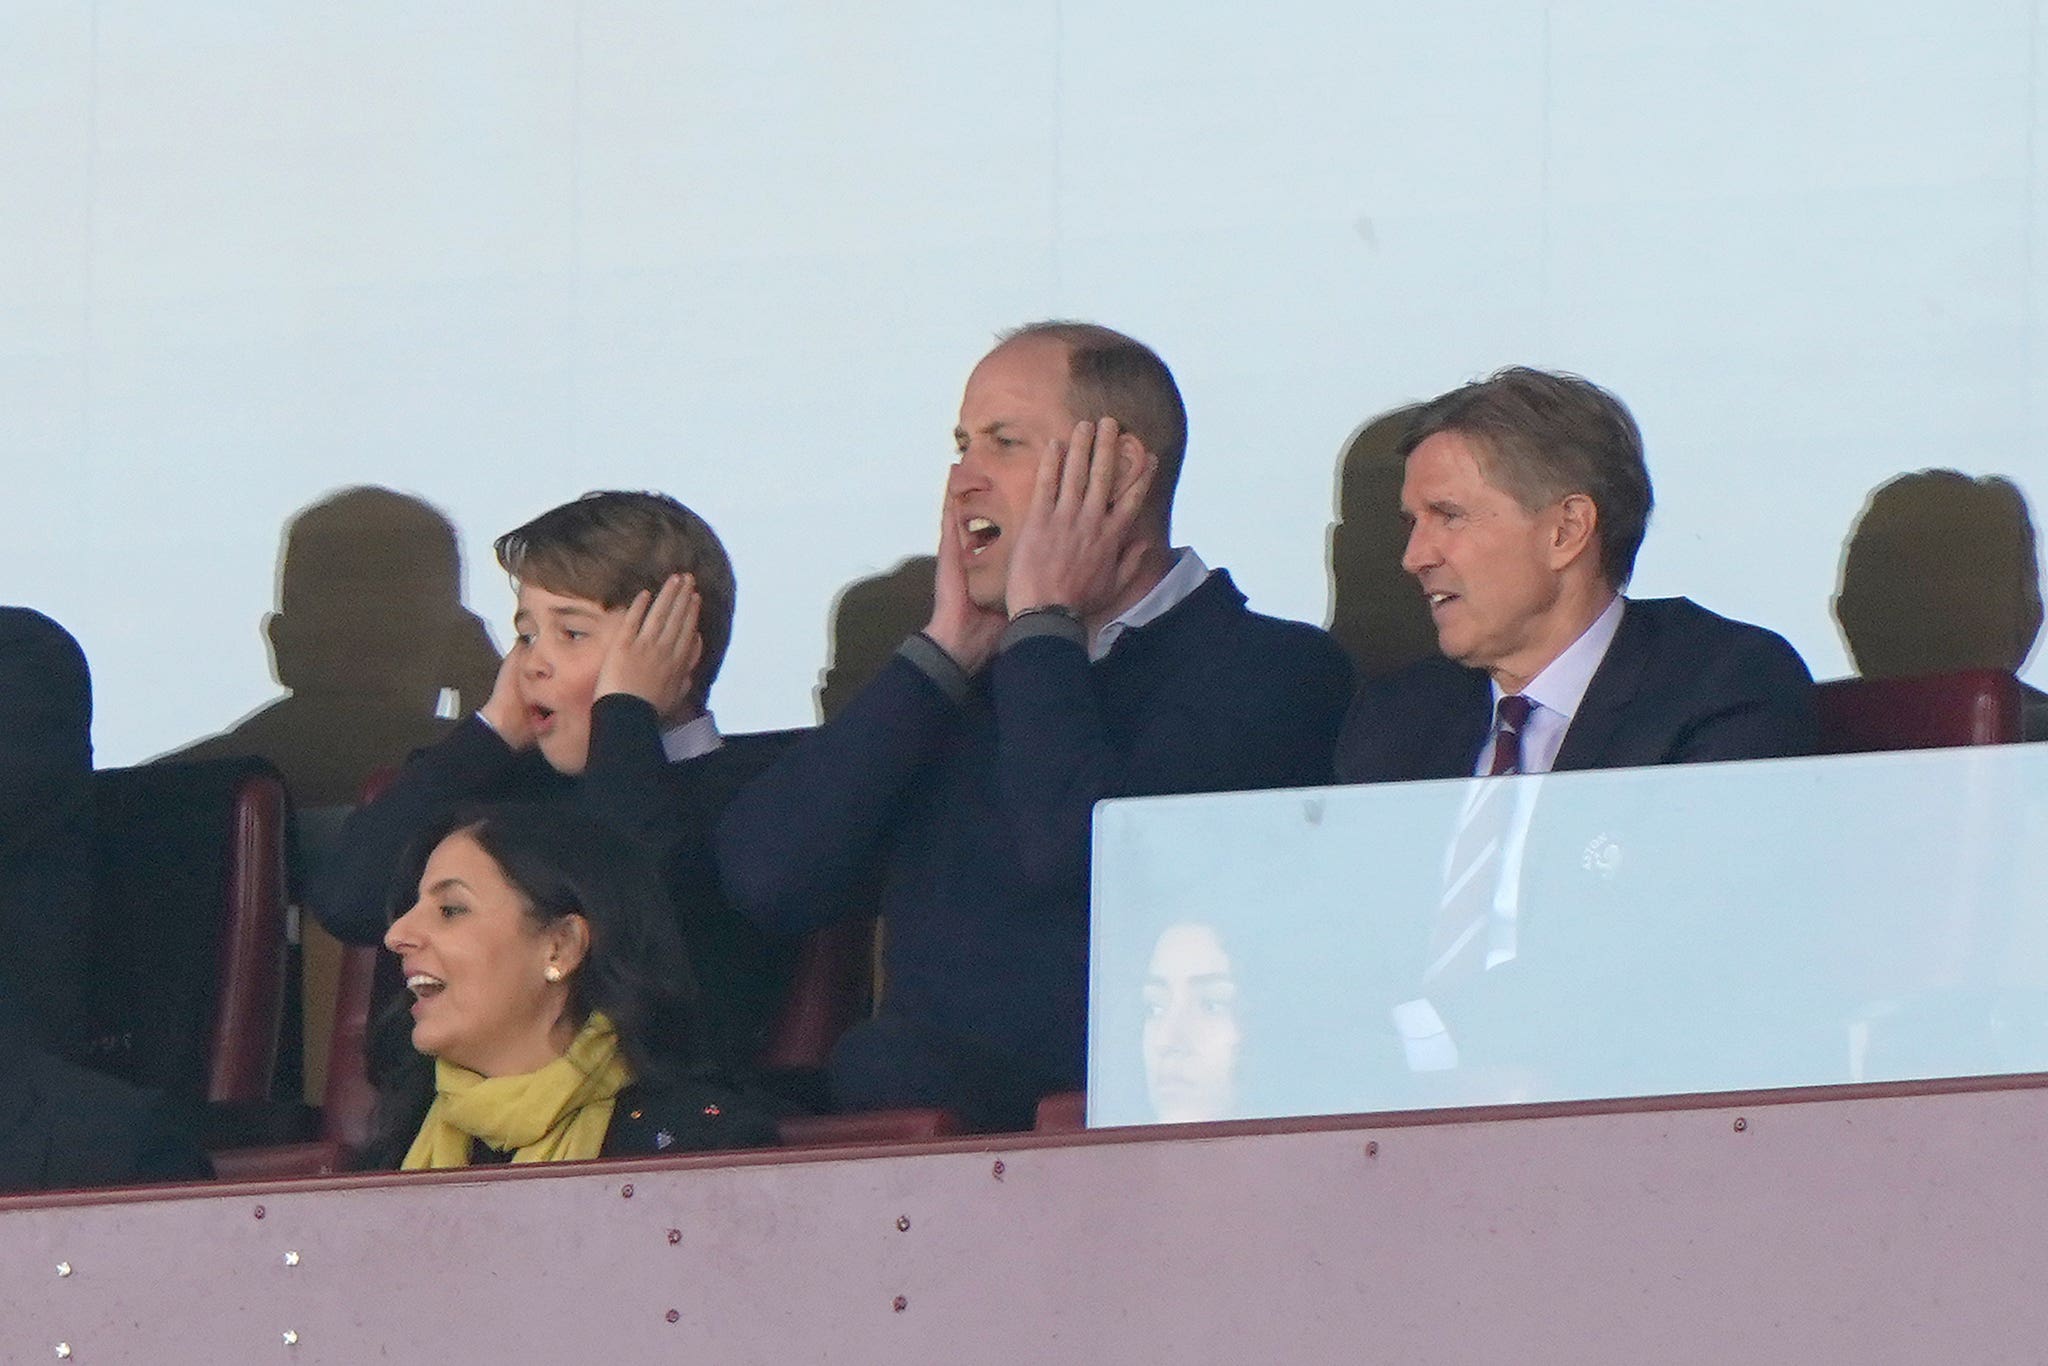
[
  {"x": 1134, "y": 465},
  {"x": 568, "y": 943},
  {"x": 1575, "y": 531}
]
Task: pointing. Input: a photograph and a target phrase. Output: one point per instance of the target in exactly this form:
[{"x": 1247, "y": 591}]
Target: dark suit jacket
[
  {"x": 1679, "y": 685},
  {"x": 1606, "y": 951},
  {"x": 743, "y": 971},
  {"x": 46, "y": 824},
  {"x": 62, "y": 1127}
]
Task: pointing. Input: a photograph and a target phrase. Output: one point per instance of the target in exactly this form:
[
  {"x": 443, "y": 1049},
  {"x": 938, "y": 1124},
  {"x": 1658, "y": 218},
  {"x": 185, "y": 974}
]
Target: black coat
[
  {"x": 742, "y": 971},
  {"x": 690, "y": 1115},
  {"x": 46, "y": 825},
  {"x": 63, "y": 1127}
]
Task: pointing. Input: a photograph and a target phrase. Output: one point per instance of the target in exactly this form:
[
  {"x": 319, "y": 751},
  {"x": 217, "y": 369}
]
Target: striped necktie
[
  {"x": 1459, "y": 939},
  {"x": 1508, "y": 719}
]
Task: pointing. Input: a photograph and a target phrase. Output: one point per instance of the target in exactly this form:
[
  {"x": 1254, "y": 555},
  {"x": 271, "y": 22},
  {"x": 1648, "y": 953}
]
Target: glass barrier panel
[{"x": 1570, "y": 936}]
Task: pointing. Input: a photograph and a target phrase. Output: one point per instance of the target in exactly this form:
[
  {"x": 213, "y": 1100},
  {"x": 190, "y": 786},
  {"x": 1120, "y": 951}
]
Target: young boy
[{"x": 625, "y": 611}]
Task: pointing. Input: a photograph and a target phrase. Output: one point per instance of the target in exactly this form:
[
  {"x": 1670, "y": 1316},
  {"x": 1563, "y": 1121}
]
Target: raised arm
[{"x": 473, "y": 762}]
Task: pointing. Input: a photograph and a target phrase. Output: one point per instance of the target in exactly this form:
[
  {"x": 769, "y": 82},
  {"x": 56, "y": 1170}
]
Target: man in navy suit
[{"x": 1527, "y": 498}]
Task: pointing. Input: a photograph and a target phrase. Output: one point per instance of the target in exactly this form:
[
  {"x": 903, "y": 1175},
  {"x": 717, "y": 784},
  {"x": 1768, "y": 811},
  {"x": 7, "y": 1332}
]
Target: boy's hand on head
[
  {"x": 655, "y": 651},
  {"x": 1075, "y": 549},
  {"x": 959, "y": 626},
  {"x": 505, "y": 712}
]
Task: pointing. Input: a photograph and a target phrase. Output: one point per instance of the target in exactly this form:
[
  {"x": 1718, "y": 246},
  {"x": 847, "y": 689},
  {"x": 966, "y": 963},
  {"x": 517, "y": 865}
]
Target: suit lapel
[
  {"x": 1464, "y": 729},
  {"x": 1615, "y": 682}
]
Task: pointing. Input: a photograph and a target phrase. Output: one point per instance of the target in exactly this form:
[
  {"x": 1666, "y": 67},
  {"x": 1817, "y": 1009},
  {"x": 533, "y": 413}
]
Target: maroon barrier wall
[{"x": 1870, "y": 1224}]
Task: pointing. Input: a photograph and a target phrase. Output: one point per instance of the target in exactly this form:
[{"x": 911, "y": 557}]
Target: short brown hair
[
  {"x": 1112, "y": 375},
  {"x": 609, "y": 546},
  {"x": 1542, "y": 436}
]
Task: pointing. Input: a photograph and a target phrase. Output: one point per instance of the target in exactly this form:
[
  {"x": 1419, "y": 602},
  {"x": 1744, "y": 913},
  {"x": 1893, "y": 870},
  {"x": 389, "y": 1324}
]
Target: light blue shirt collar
[
  {"x": 1185, "y": 577},
  {"x": 692, "y": 739},
  {"x": 1558, "y": 690}
]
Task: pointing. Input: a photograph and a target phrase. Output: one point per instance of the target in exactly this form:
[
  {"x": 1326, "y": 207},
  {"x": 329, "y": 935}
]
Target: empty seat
[
  {"x": 1933, "y": 711},
  {"x": 186, "y": 951}
]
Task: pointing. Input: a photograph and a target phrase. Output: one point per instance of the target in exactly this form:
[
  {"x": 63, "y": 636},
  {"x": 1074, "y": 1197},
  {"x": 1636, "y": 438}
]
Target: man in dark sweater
[
  {"x": 1072, "y": 655},
  {"x": 625, "y": 611}
]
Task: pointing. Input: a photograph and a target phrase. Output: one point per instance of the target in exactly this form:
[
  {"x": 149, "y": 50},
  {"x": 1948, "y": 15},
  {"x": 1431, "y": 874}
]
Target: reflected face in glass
[
  {"x": 475, "y": 960},
  {"x": 1015, "y": 405},
  {"x": 1192, "y": 1032},
  {"x": 562, "y": 640},
  {"x": 1482, "y": 559}
]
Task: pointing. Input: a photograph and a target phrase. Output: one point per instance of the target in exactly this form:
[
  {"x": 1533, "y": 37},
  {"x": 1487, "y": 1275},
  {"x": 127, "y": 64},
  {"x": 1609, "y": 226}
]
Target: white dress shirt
[{"x": 1557, "y": 692}]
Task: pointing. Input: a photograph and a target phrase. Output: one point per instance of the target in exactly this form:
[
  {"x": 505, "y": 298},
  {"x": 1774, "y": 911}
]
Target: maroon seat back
[
  {"x": 1935, "y": 711},
  {"x": 348, "y": 1101},
  {"x": 185, "y": 952},
  {"x": 827, "y": 993},
  {"x": 242, "y": 1049},
  {"x": 1062, "y": 1112},
  {"x": 911, "y": 1124}
]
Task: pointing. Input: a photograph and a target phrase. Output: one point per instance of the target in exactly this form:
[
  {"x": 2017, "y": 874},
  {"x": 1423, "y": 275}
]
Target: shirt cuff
[
  {"x": 931, "y": 660},
  {"x": 1062, "y": 625}
]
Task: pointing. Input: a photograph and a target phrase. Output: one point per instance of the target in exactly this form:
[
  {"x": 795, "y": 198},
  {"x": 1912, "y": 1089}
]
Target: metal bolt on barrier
[
  {"x": 901, "y": 1303},
  {"x": 1740, "y": 1124},
  {"x": 903, "y": 1223},
  {"x": 626, "y": 1191}
]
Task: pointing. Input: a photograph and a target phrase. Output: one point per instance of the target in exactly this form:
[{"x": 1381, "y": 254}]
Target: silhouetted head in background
[
  {"x": 870, "y": 619},
  {"x": 370, "y": 602},
  {"x": 1375, "y": 612},
  {"x": 1940, "y": 574},
  {"x": 368, "y": 633}
]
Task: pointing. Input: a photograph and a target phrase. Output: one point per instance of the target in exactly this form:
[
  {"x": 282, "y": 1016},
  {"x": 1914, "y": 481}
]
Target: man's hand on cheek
[
  {"x": 655, "y": 649},
  {"x": 1075, "y": 548},
  {"x": 959, "y": 626},
  {"x": 505, "y": 711}
]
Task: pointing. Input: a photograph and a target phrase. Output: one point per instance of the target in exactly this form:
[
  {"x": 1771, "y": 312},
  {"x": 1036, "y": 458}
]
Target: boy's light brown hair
[{"x": 609, "y": 546}]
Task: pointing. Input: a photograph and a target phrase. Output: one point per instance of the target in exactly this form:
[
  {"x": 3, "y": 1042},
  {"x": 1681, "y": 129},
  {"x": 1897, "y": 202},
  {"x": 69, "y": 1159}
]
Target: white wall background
[{"x": 496, "y": 254}]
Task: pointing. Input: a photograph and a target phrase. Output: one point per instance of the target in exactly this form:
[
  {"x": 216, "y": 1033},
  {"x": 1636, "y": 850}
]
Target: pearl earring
[{"x": 552, "y": 973}]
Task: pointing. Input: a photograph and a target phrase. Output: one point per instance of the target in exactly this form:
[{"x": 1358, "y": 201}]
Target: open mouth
[
  {"x": 1437, "y": 600},
  {"x": 979, "y": 533},
  {"x": 541, "y": 719},
  {"x": 425, "y": 986}
]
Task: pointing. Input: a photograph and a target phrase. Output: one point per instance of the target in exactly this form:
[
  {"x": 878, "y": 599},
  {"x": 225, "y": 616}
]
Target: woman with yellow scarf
[{"x": 553, "y": 1014}]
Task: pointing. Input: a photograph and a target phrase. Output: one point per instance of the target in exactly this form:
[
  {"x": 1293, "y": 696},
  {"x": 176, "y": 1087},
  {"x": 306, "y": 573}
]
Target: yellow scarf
[{"x": 556, "y": 1114}]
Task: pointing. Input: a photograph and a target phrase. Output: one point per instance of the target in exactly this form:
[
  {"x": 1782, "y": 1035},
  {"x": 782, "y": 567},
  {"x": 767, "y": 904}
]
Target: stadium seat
[
  {"x": 907, "y": 1125},
  {"x": 186, "y": 956},
  {"x": 827, "y": 993},
  {"x": 1062, "y": 1112},
  {"x": 1934, "y": 711}
]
